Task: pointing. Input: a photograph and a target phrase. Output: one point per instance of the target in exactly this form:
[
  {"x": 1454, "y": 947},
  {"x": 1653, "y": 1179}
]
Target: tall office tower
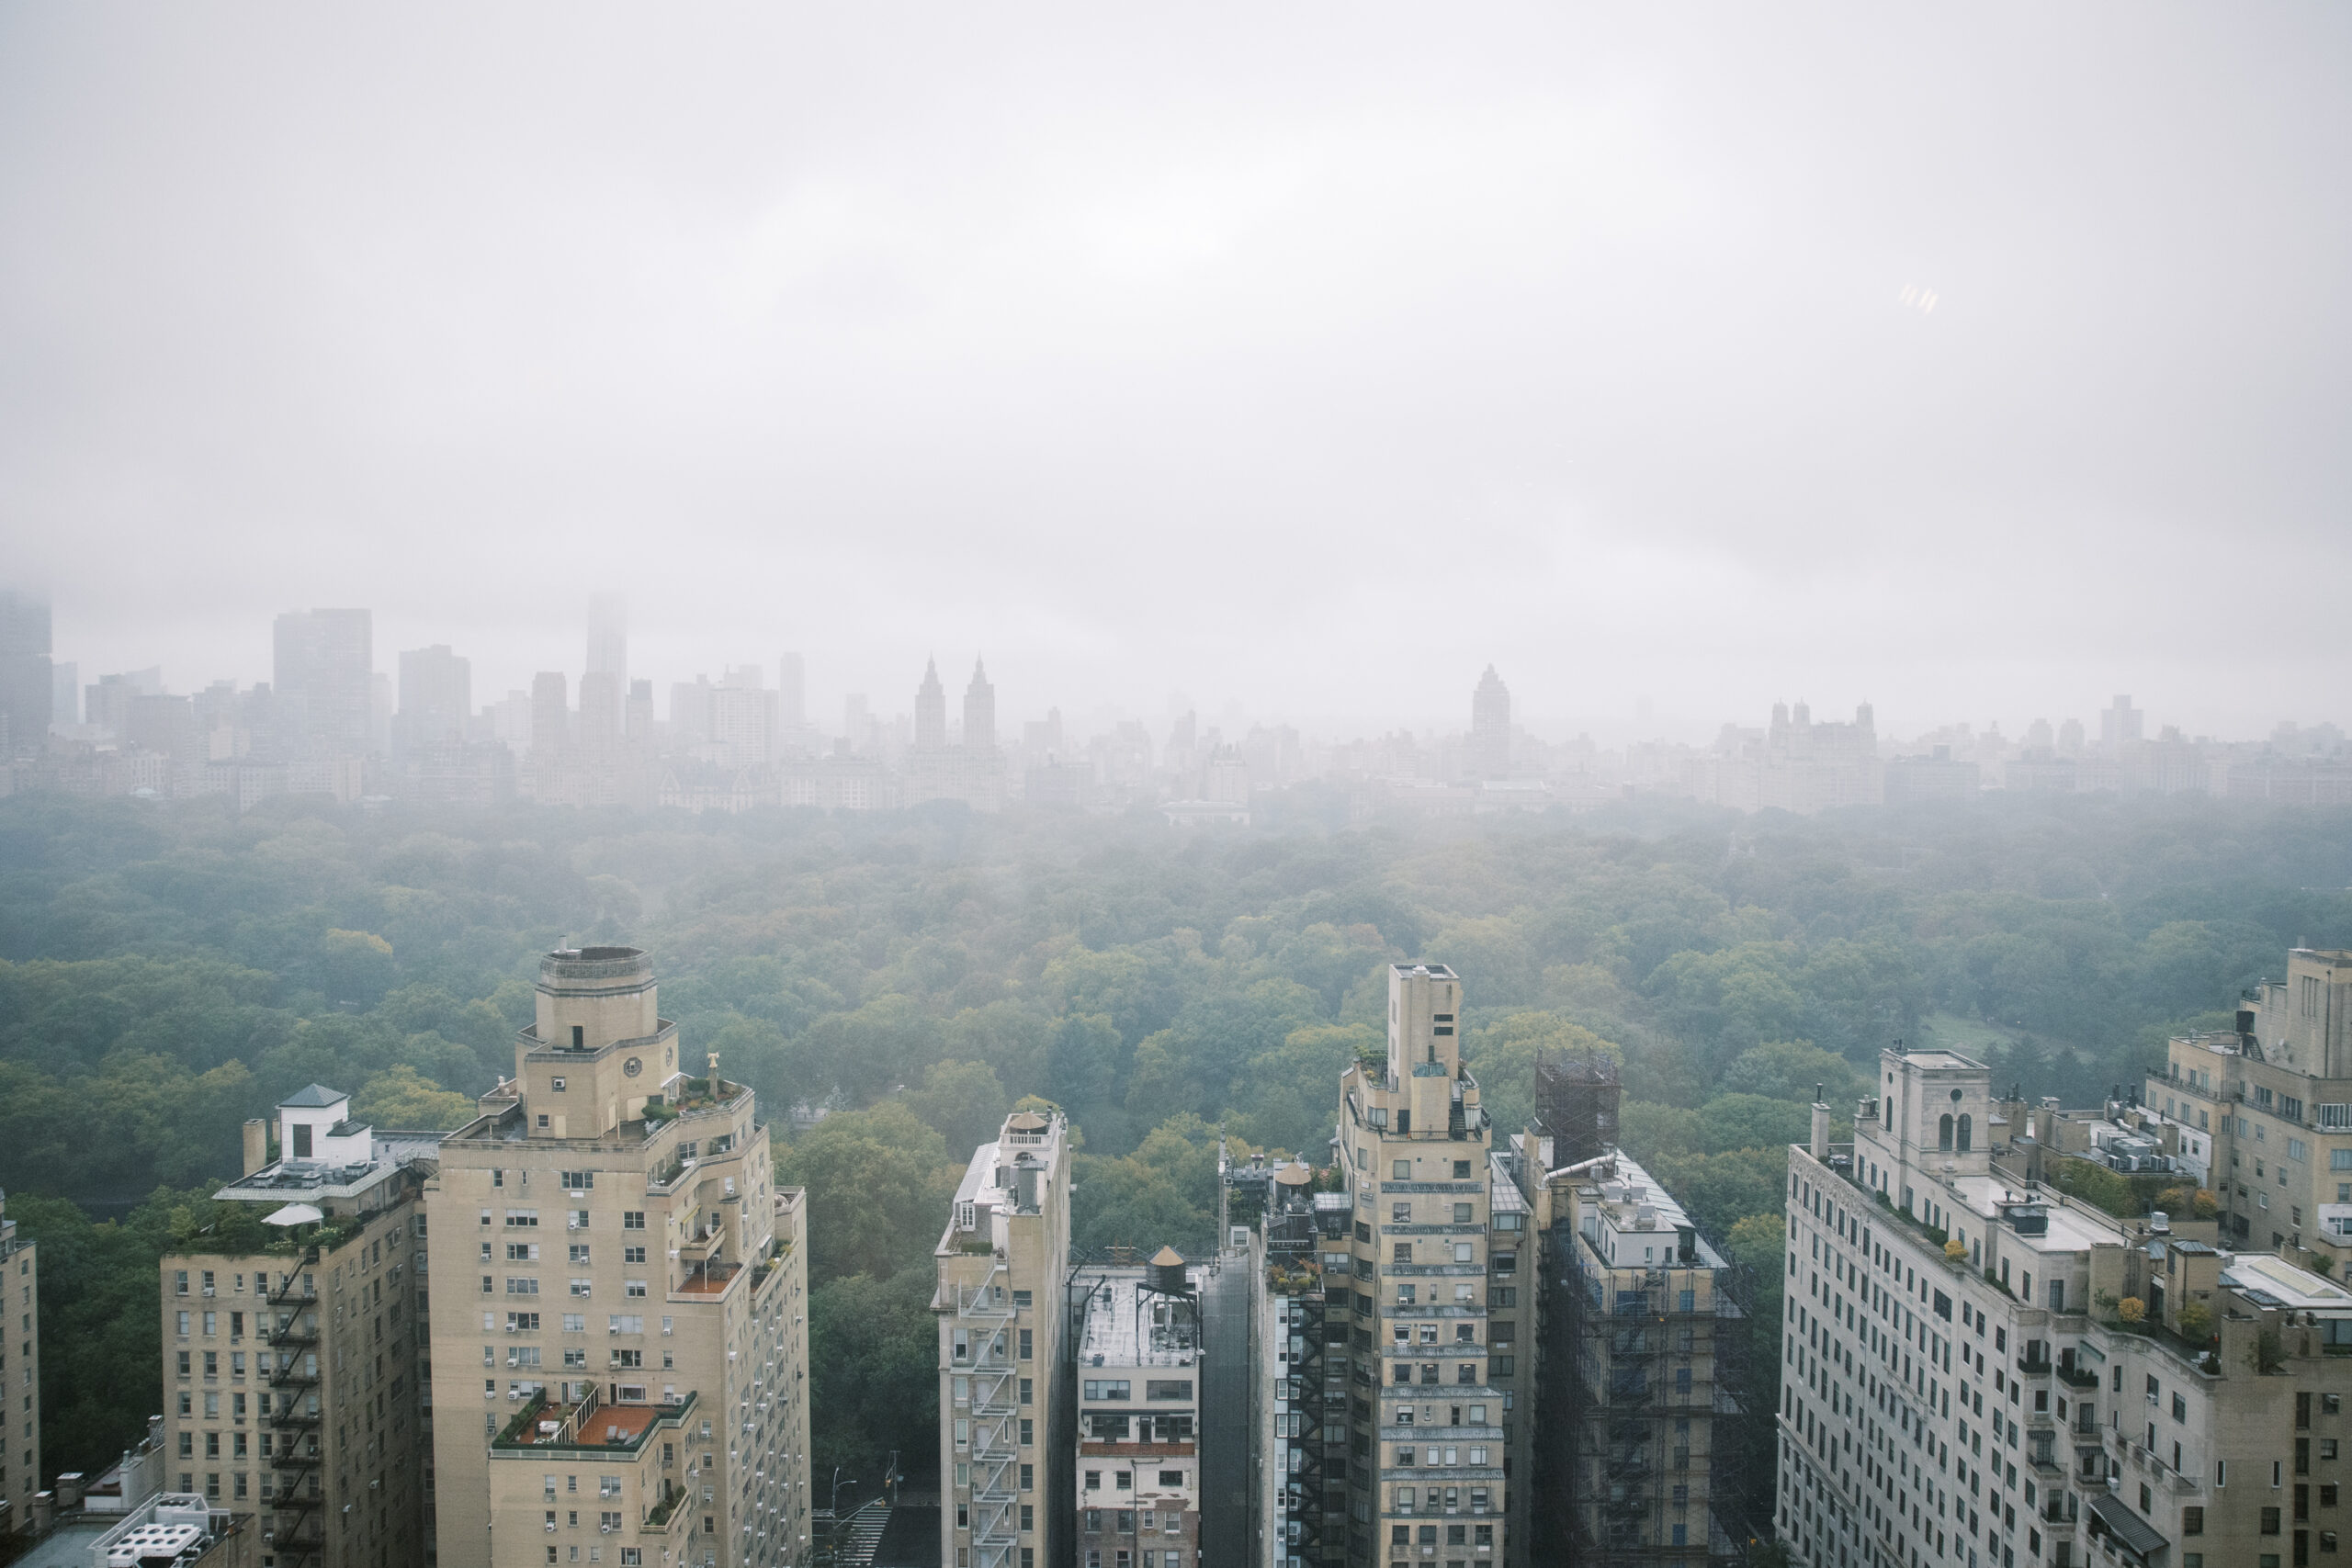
[
  {"x": 436, "y": 698},
  {"x": 550, "y": 714},
  {"x": 609, "y": 639},
  {"x": 1004, "y": 1441},
  {"x": 1427, "y": 1483},
  {"x": 1140, "y": 1379},
  {"x": 295, "y": 1370},
  {"x": 637, "y": 715},
  {"x": 2272, "y": 1096},
  {"x": 2119, "y": 724},
  {"x": 792, "y": 690},
  {"x": 323, "y": 667},
  {"x": 600, "y": 715},
  {"x": 930, "y": 710},
  {"x": 510, "y": 720},
  {"x": 979, "y": 712},
  {"x": 622, "y": 1301},
  {"x": 20, "y": 1376},
  {"x": 28, "y": 694},
  {"x": 1490, "y": 728},
  {"x": 743, "y": 719}
]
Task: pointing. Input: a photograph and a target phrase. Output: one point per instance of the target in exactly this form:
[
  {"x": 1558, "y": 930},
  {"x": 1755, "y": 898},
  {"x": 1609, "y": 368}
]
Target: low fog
[{"x": 1978, "y": 364}]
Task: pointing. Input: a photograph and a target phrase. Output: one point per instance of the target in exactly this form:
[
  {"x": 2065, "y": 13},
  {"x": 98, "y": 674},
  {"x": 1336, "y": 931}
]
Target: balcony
[{"x": 708, "y": 1280}]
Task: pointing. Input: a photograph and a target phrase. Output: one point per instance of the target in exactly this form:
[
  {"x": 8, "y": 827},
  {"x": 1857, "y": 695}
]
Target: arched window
[
  {"x": 1943, "y": 1135},
  {"x": 1964, "y": 1123}
]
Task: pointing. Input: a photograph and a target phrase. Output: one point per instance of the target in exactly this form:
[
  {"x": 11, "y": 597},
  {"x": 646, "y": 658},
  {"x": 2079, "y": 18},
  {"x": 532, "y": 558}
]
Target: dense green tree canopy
[{"x": 169, "y": 970}]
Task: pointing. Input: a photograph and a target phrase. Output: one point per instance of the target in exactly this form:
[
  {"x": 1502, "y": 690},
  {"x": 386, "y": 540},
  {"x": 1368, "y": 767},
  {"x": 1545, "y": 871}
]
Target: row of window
[
  {"x": 529, "y": 1356},
  {"x": 1455, "y": 1535},
  {"x": 529, "y": 1285},
  {"x": 1153, "y": 1388},
  {"x": 573, "y": 1219}
]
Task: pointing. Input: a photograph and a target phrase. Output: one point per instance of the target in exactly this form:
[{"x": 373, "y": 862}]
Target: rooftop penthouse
[
  {"x": 328, "y": 1166},
  {"x": 1008, "y": 1177}
]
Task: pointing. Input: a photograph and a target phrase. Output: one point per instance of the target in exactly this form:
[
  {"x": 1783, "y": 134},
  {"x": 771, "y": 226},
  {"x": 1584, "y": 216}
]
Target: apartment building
[
  {"x": 1426, "y": 1472},
  {"x": 1638, "y": 1324},
  {"x": 1004, "y": 1320},
  {"x": 1978, "y": 1369},
  {"x": 1138, "y": 1448},
  {"x": 1301, "y": 1306},
  {"x": 295, "y": 1372},
  {"x": 20, "y": 1375},
  {"x": 621, "y": 1345},
  {"x": 2273, "y": 1099}
]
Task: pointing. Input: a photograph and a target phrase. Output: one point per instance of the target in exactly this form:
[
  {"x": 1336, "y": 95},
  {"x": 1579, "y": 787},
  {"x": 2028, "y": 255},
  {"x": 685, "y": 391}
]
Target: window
[
  {"x": 1401, "y": 1170},
  {"x": 633, "y": 1219},
  {"x": 522, "y": 1219},
  {"x": 1170, "y": 1387},
  {"x": 2192, "y": 1521},
  {"x": 2270, "y": 1521},
  {"x": 1462, "y": 1213},
  {"x": 1401, "y": 1214}
]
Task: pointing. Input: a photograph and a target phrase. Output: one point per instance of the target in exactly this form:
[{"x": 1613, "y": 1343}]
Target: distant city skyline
[{"x": 1434, "y": 702}]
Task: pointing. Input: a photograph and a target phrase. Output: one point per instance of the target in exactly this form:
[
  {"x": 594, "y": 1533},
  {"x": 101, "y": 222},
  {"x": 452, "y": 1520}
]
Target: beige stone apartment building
[
  {"x": 619, "y": 1318},
  {"x": 1427, "y": 1389},
  {"x": 2262, "y": 1114},
  {"x": 1003, "y": 1310},
  {"x": 294, "y": 1375},
  {"x": 19, "y": 1374}
]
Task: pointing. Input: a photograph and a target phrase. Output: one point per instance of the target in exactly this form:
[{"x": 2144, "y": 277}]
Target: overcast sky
[{"x": 1301, "y": 356}]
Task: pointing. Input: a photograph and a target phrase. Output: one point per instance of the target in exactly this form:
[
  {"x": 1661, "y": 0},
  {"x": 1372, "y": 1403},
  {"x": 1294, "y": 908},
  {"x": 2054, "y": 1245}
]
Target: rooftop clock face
[{"x": 632, "y": 1066}]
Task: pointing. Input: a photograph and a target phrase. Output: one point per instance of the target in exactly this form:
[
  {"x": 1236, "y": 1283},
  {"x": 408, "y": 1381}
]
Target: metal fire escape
[
  {"x": 985, "y": 1312},
  {"x": 299, "y": 1538}
]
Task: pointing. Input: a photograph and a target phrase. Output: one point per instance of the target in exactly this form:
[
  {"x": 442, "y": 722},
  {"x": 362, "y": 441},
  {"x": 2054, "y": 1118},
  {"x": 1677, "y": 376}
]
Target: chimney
[
  {"x": 1820, "y": 1126},
  {"x": 256, "y": 1145}
]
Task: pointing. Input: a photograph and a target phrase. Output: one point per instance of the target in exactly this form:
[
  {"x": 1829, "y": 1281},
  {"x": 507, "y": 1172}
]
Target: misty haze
[{"x": 1332, "y": 788}]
